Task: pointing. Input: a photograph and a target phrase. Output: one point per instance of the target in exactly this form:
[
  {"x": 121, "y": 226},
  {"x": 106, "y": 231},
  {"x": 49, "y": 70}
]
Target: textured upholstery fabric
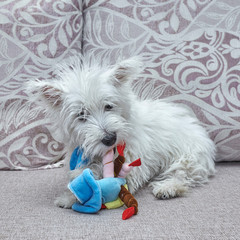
[
  {"x": 192, "y": 54},
  {"x": 34, "y": 36},
  {"x": 206, "y": 213}
]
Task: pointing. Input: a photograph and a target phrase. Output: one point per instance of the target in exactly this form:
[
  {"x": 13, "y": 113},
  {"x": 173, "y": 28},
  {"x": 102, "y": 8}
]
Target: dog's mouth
[
  {"x": 118, "y": 146},
  {"x": 98, "y": 148},
  {"x": 113, "y": 147}
]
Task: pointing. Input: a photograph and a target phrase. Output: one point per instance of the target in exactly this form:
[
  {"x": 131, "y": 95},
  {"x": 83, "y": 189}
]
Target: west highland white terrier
[{"x": 96, "y": 109}]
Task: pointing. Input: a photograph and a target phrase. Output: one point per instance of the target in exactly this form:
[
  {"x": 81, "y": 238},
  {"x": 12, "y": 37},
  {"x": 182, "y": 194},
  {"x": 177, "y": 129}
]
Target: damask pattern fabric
[
  {"x": 192, "y": 53},
  {"x": 191, "y": 49},
  {"x": 34, "y": 36}
]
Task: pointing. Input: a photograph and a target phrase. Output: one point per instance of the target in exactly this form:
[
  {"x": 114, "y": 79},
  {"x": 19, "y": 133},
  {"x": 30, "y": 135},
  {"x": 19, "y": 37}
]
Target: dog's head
[{"x": 90, "y": 105}]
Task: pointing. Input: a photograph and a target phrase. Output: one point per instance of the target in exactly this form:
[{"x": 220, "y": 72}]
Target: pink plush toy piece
[{"x": 108, "y": 166}]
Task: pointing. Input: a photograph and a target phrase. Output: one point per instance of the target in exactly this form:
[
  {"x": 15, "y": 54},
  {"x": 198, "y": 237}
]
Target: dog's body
[{"x": 96, "y": 110}]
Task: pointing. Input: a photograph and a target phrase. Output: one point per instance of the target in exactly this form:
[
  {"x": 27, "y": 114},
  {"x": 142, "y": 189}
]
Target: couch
[{"x": 191, "y": 50}]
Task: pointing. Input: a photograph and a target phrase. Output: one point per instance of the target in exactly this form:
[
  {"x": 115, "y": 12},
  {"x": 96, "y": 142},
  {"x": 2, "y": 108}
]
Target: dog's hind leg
[
  {"x": 171, "y": 187},
  {"x": 176, "y": 180}
]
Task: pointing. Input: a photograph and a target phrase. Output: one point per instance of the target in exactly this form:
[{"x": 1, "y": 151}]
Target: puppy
[{"x": 96, "y": 109}]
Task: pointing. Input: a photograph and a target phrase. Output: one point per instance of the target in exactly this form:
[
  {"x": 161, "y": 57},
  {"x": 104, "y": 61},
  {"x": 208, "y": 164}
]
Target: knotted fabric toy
[
  {"x": 109, "y": 192},
  {"x": 121, "y": 169}
]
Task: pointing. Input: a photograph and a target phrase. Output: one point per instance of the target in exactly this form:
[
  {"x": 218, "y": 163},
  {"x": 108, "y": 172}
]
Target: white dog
[{"x": 96, "y": 109}]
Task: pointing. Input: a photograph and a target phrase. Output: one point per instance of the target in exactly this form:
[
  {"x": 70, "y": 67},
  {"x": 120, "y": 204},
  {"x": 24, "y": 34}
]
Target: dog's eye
[
  {"x": 82, "y": 116},
  {"x": 108, "y": 107}
]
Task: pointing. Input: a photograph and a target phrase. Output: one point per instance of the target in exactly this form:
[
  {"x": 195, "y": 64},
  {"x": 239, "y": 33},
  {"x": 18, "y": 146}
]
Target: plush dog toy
[{"x": 109, "y": 192}]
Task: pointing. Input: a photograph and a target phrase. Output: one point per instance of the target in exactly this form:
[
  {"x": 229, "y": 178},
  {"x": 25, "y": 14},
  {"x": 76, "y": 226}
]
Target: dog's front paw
[
  {"x": 75, "y": 173},
  {"x": 66, "y": 200},
  {"x": 168, "y": 189}
]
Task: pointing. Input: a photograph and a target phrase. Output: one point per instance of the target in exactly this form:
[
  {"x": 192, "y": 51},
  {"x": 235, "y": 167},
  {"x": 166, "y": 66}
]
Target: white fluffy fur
[{"x": 175, "y": 150}]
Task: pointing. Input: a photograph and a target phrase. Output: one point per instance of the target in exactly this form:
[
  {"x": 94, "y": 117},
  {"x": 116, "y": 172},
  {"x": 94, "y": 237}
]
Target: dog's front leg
[
  {"x": 96, "y": 168},
  {"x": 75, "y": 173},
  {"x": 67, "y": 199}
]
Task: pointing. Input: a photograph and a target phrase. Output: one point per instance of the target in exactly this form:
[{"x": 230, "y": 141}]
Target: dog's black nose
[{"x": 109, "y": 139}]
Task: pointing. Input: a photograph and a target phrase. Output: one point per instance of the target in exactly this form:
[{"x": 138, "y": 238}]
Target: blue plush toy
[{"x": 91, "y": 193}]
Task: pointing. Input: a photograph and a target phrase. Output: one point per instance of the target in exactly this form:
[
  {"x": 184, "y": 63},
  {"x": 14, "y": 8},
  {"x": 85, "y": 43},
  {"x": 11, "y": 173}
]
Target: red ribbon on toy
[{"x": 120, "y": 149}]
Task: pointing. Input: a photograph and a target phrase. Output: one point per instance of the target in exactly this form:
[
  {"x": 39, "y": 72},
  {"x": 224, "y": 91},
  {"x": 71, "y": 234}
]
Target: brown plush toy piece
[{"x": 125, "y": 195}]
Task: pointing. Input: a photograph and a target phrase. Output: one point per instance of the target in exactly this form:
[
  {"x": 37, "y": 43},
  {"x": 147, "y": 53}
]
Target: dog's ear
[
  {"x": 127, "y": 70},
  {"x": 44, "y": 92}
]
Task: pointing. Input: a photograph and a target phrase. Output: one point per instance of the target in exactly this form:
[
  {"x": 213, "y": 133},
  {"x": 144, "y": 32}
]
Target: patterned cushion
[
  {"x": 34, "y": 36},
  {"x": 191, "y": 49},
  {"x": 192, "y": 53}
]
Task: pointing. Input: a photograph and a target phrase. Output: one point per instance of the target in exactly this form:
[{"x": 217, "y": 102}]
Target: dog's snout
[{"x": 109, "y": 139}]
